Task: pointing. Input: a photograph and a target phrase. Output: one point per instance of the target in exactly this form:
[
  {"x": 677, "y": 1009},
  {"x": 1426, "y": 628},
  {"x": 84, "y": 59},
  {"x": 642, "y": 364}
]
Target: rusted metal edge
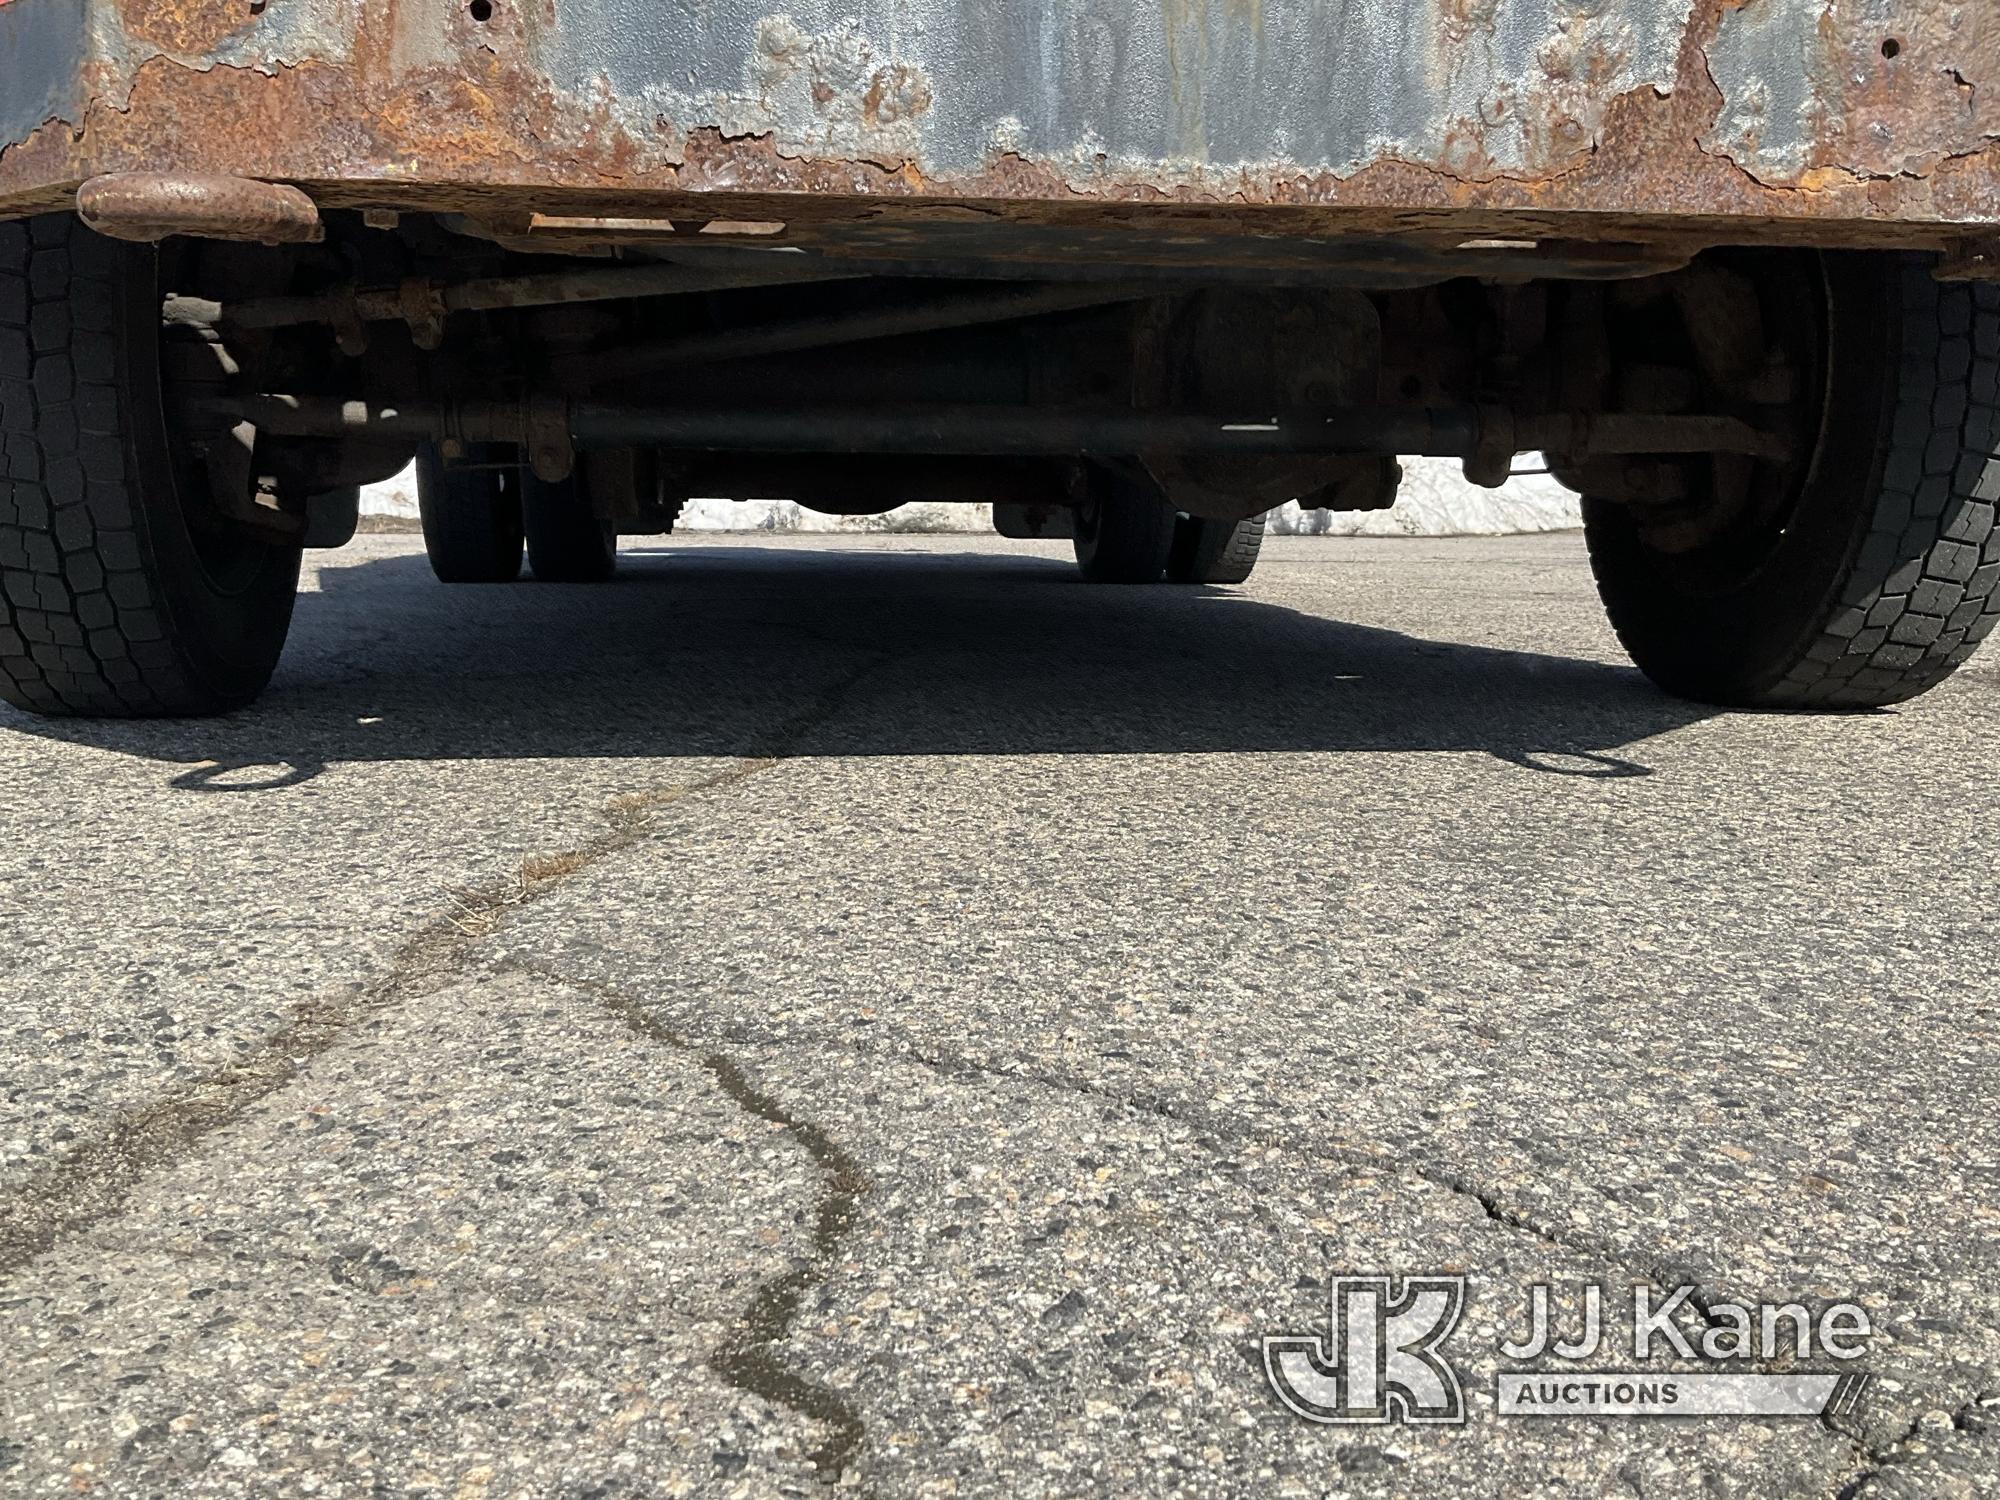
[
  {"x": 150, "y": 206},
  {"x": 491, "y": 135}
]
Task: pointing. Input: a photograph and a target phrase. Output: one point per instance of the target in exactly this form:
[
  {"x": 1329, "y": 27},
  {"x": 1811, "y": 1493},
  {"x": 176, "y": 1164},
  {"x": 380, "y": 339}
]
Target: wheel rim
[
  {"x": 1745, "y": 507},
  {"x": 1089, "y": 517}
]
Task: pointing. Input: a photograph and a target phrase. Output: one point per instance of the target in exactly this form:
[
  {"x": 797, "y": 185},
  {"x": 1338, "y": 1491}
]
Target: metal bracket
[
  {"x": 422, "y": 306},
  {"x": 545, "y": 425},
  {"x": 1492, "y": 456},
  {"x": 150, "y": 206}
]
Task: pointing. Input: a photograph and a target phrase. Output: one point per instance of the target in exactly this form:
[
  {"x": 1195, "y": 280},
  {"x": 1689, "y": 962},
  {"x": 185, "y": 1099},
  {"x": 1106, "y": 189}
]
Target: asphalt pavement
[{"x": 878, "y": 1013}]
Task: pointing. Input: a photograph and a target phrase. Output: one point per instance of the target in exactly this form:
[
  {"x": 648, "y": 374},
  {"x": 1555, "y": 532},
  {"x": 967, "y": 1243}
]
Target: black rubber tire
[
  {"x": 114, "y": 605},
  {"x": 1887, "y": 574},
  {"x": 1124, "y": 529},
  {"x": 1214, "y": 551},
  {"x": 566, "y": 543},
  {"x": 471, "y": 516}
]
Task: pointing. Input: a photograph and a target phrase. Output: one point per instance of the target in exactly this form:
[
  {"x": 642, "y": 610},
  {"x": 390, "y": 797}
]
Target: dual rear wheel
[
  {"x": 479, "y": 514},
  {"x": 1126, "y": 531}
]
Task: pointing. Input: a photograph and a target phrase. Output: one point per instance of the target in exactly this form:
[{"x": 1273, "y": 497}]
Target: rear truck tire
[
  {"x": 1124, "y": 527},
  {"x": 1878, "y": 572},
  {"x": 1214, "y": 551},
  {"x": 567, "y": 543},
  {"x": 121, "y": 595},
  {"x": 471, "y": 516}
]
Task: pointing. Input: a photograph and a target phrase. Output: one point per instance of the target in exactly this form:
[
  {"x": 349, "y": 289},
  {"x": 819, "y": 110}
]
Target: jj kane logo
[
  {"x": 1382, "y": 1358},
  {"x": 1380, "y": 1362}
]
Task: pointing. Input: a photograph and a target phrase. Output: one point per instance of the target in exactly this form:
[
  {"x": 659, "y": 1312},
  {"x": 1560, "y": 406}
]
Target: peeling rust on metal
[
  {"x": 1881, "y": 90},
  {"x": 1741, "y": 120},
  {"x": 150, "y": 206}
]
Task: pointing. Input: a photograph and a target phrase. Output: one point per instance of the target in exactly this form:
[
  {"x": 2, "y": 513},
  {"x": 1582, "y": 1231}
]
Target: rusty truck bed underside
[{"x": 1868, "y": 122}]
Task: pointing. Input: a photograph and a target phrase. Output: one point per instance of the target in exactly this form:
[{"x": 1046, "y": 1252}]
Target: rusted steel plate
[{"x": 1865, "y": 119}]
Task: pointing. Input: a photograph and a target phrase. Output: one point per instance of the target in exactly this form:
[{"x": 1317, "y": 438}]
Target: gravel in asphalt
[{"x": 876, "y": 1010}]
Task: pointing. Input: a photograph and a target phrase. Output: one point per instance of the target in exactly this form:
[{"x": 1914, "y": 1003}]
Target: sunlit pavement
[{"x": 879, "y": 1010}]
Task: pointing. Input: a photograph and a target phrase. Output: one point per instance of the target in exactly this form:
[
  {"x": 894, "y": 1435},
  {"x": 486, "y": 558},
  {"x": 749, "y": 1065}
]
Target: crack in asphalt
[
  {"x": 1230, "y": 1129},
  {"x": 750, "y": 1361},
  {"x": 1436, "y": 1174},
  {"x": 1873, "y": 1459},
  {"x": 1700, "y": 1301},
  {"x": 748, "y": 1358},
  {"x": 93, "y": 1181},
  {"x": 1663, "y": 1277},
  {"x": 772, "y": 1312}
]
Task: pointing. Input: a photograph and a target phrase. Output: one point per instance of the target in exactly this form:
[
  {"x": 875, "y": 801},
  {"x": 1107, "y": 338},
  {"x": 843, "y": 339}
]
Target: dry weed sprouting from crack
[
  {"x": 629, "y": 807},
  {"x": 537, "y": 869},
  {"x": 476, "y": 912},
  {"x": 630, "y": 814},
  {"x": 473, "y": 913}
]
